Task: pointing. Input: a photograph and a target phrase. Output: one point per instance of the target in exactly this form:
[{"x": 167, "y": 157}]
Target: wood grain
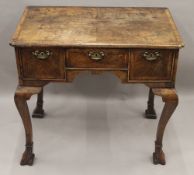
[
  {"x": 50, "y": 68},
  {"x": 113, "y": 58},
  {"x": 159, "y": 69},
  {"x": 99, "y": 27}
]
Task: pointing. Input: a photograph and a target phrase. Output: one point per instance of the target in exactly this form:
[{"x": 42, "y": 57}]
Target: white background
[{"x": 95, "y": 125}]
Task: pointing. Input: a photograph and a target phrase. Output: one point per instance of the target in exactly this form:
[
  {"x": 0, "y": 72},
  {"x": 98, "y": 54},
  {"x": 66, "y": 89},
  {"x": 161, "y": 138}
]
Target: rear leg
[
  {"x": 39, "y": 111},
  {"x": 150, "y": 111}
]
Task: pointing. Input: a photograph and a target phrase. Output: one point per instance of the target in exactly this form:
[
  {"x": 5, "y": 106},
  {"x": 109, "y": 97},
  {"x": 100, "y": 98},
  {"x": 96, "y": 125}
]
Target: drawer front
[
  {"x": 42, "y": 63},
  {"x": 151, "y": 64},
  {"x": 97, "y": 58}
]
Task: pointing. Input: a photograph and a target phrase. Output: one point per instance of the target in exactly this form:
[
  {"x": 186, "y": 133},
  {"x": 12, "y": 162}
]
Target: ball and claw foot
[
  {"x": 159, "y": 158},
  {"x": 28, "y": 156},
  {"x": 150, "y": 114},
  {"x": 38, "y": 113}
]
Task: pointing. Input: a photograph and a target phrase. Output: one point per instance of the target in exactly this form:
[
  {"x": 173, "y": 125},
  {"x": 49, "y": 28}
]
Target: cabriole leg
[
  {"x": 23, "y": 94},
  {"x": 39, "y": 111},
  {"x": 150, "y": 111},
  {"x": 170, "y": 99}
]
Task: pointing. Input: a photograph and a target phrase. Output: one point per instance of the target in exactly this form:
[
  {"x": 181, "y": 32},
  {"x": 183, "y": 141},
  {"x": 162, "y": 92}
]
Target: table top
[{"x": 126, "y": 27}]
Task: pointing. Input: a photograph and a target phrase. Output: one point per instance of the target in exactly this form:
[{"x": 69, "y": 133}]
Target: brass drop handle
[
  {"x": 151, "y": 56},
  {"x": 42, "y": 55},
  {"x": 96, "y": 55}
]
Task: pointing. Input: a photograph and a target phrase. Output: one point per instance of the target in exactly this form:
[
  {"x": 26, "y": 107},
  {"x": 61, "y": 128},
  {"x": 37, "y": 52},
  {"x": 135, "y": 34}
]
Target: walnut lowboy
[{"x": 55, "y": 44}]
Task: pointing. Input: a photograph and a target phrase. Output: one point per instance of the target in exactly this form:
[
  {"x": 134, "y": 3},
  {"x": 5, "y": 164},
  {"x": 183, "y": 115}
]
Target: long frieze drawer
[
  {"x": 151, "y": 64},
  {"x": 97, "y": 58},
  {"x": 42, "y": 63}
]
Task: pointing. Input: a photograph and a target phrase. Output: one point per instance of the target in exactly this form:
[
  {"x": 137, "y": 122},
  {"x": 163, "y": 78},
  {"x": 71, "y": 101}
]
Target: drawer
[
  {"x": 151, "y": 64},
  {"x": 97, "y": 58},
  {"x": 42, "y": 63}
]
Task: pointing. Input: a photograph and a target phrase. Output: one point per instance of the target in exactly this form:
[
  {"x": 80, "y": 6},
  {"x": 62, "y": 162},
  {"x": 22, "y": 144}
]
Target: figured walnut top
[{"x": 97, "y": 26}]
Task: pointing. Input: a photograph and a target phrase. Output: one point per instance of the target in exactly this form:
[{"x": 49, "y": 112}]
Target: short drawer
[
  {"x": 151, "y": 64},
  {"x": 42, "y": 63},
  {"x": 97, "y": 58}
]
